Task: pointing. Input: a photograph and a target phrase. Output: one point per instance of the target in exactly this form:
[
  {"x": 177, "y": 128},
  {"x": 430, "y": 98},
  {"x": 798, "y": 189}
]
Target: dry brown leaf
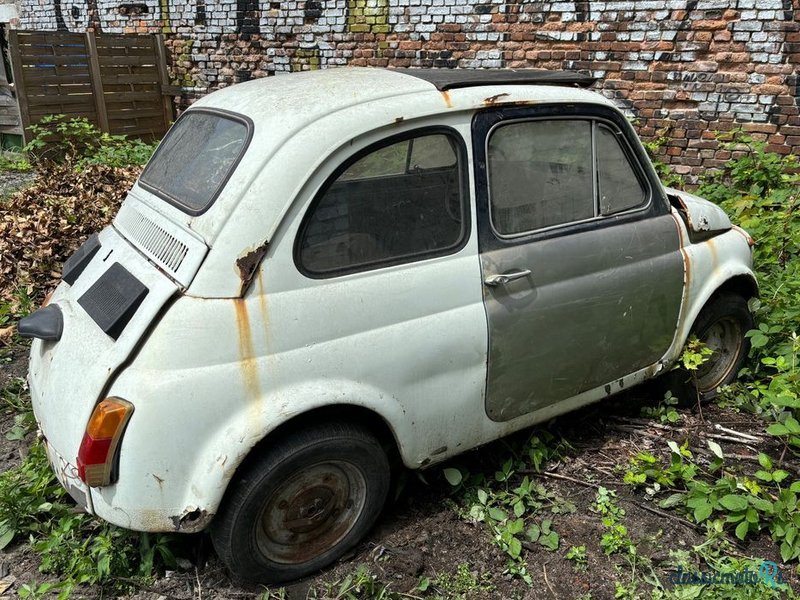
[{"x": 42, "y": 225}]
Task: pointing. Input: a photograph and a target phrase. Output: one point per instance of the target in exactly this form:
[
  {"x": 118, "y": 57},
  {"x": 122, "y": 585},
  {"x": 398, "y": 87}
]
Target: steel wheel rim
[
  {"x": 311, "y": 512},
  {"x": 724, "y": 338}
]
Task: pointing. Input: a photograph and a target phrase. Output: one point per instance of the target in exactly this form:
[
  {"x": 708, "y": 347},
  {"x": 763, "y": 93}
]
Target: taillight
[{"x": 99, "y": 445}]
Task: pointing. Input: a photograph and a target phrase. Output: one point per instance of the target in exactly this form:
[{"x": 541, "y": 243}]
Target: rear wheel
[
  {"x": 303, "y": 503},
  {"x": 721, "y": 326}
]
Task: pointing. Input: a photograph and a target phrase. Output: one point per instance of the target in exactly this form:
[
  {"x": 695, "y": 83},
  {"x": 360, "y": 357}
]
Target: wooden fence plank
[
  {"x": 129, "y": 78},
  {"x": 49, "y": 50},
  {"x": 62, "y": 100},
  {"x": 111, "y": 51},
  {"x": 48, "y": 37},
  {"x": 115, "y": 80},
  {"x": 39, "y": 112},
  {"x": 54, "y": 60},
  {"x": 20, "y": 88},
  {"x": 97, "y": 83},
  {"x": 124, "y": 41},
  {"x": 125, "y": 60},
  {"x": 163, "y": 75}
]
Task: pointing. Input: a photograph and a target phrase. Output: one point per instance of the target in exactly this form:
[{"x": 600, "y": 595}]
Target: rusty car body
[{"x": 320, "y": 274}]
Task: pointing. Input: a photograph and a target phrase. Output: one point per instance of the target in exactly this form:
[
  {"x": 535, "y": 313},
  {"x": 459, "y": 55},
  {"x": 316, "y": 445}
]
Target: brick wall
[{"x": 684, "y": 68}]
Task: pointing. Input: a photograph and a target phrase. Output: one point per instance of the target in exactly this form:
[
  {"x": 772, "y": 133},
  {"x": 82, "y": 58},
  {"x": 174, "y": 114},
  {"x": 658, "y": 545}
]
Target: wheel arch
[
  {"x": 744, "y": 285},
  {"x": 350, "y": 413}
]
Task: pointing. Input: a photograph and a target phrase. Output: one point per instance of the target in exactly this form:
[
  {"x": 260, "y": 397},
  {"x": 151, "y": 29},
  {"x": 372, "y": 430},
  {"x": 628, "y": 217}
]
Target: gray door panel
[
  {"x": 577, "y": 295},
  {"x": 598, "y": 305}
]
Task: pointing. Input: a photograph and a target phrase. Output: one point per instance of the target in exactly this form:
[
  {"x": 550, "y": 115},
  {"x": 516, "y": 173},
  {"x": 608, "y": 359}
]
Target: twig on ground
[
  {"x": 656, "y": 511},
  {"x": 549, "y": 587},
  {"x": 746, "y": 436},
  {"x": 666, "y": 515}
]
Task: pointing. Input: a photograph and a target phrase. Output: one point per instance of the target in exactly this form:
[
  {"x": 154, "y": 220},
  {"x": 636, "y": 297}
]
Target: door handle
[{"x": 504, "y": 278}]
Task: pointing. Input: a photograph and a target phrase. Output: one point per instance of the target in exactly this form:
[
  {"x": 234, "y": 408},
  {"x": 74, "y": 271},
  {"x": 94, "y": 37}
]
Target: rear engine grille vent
[{"x": 161, "y": 245}]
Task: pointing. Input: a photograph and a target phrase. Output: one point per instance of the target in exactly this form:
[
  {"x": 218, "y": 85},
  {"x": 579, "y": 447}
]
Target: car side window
[
  {"x": 619, "y": 188},
  {"x": 540, "y": 174},
  {"x": 398, "y": 202}
]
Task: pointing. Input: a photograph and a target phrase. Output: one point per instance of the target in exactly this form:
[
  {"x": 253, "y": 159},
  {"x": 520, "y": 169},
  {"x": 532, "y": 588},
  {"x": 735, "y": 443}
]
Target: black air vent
[
  {"x": 113, "y": 299},
  {"x": 77, "y": 262}
]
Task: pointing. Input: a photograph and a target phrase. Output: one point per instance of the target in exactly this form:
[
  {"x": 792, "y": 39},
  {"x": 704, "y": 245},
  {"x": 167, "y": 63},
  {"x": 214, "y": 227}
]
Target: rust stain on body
[
  {"x": 492, "y": 100},
  {"x": 247, "y": 358},
  {"x": 687, "y": 282},
  {"x": 446, "y": 95},
  {"x": 262, "y": 305}
]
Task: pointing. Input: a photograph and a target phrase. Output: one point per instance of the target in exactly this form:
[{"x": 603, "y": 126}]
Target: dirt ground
[{"x": 423, "y": 535}]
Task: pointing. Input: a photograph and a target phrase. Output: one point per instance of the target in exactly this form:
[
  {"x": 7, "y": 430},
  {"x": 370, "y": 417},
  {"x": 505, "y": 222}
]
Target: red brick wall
[{"x": 683, "y": 69}]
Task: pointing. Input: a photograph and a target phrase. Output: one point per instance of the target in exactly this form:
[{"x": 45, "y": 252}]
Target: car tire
[
  {"x": 721, "y": 326},
  {"x": 302, "y": 504}
]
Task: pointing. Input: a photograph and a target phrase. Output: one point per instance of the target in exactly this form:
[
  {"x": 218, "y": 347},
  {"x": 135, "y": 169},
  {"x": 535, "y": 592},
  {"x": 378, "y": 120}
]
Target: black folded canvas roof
[{"x": 448, "y": 79}]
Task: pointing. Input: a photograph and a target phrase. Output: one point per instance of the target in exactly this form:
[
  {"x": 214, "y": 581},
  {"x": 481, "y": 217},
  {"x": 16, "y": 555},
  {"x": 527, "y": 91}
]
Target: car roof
[
  {"x": 298, "y": 99},
  {"x": 299, "y": 120}
]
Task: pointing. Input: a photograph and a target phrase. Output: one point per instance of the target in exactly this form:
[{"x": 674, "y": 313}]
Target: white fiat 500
[{"x": 324, "y": 276}]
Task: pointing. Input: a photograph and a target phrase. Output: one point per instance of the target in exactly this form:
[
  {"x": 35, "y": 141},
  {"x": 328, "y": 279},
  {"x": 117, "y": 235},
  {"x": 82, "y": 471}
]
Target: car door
[{"x": 580, "y": 256}]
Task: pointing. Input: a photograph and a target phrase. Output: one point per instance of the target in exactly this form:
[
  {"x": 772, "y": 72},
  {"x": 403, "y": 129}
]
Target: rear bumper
[{"x": 67, "y": 475}]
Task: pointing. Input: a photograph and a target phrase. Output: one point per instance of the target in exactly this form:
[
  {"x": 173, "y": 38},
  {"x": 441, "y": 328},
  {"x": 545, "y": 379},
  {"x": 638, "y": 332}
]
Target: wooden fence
[{"x": 118, "y": 82}]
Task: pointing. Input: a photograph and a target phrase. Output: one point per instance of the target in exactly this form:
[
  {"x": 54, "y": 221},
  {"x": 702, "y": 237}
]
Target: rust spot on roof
[
  {"x": 399, "y": 120},
  {"x": 492, "y": 100},
  {"x": 446, "y": 95}
]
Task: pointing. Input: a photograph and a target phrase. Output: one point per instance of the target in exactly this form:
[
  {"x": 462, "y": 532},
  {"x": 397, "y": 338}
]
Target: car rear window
[{"x": 196, "y": 158}]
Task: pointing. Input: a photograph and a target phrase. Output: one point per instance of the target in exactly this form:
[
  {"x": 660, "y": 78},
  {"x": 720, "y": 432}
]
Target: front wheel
[
  {"x": 721, "y": 326},
  {"x": 303, "y": 503}
]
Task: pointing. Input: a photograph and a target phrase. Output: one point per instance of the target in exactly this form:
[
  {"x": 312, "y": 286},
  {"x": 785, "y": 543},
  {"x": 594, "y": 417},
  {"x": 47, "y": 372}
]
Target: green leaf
[
  {"x": 763, "y": 475},
  {"x": 482, "y": 496},
  {"x": 779, "y": 475},
  {"x": 533, "y": 532},
  {"x": 742, "y": 529},
  {"x": 519, "y": 508},
  {"x": 786, "y": 552},
  {"x": 795, "y": 487},
  {"x": 764, "y": 506},
  {"x": 792, "y": 425},
  {"x": 672, "y": 500},
  {"x": 715, "y": 448},
  {"x": 453, "y": 476},
  {"x": 758, "y": 340},
  {"x": 791, "y": 534},
  {"x": 514, "y": 547},
  {"x": 497, "y": 514},
  {"x": 674, "y": 447},
  {"x": 733, "y": 502},
  {"x": 6, "y": 537},
  {"x": 702, "y": 512},
  {"x": 777, "y": 429},
  {"x": 764, "y": 460},
  {"x": 516, "y": 526},
  {"x": 550, "y": 541}
]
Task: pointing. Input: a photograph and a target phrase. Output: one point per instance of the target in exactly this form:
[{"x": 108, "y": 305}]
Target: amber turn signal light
[{"x": 101, "y": 439}]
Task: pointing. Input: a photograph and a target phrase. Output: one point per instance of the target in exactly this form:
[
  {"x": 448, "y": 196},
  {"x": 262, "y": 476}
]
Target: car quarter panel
[
  {"x": 708, "y": 265},
  {"x": 407, "y": 342}
]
